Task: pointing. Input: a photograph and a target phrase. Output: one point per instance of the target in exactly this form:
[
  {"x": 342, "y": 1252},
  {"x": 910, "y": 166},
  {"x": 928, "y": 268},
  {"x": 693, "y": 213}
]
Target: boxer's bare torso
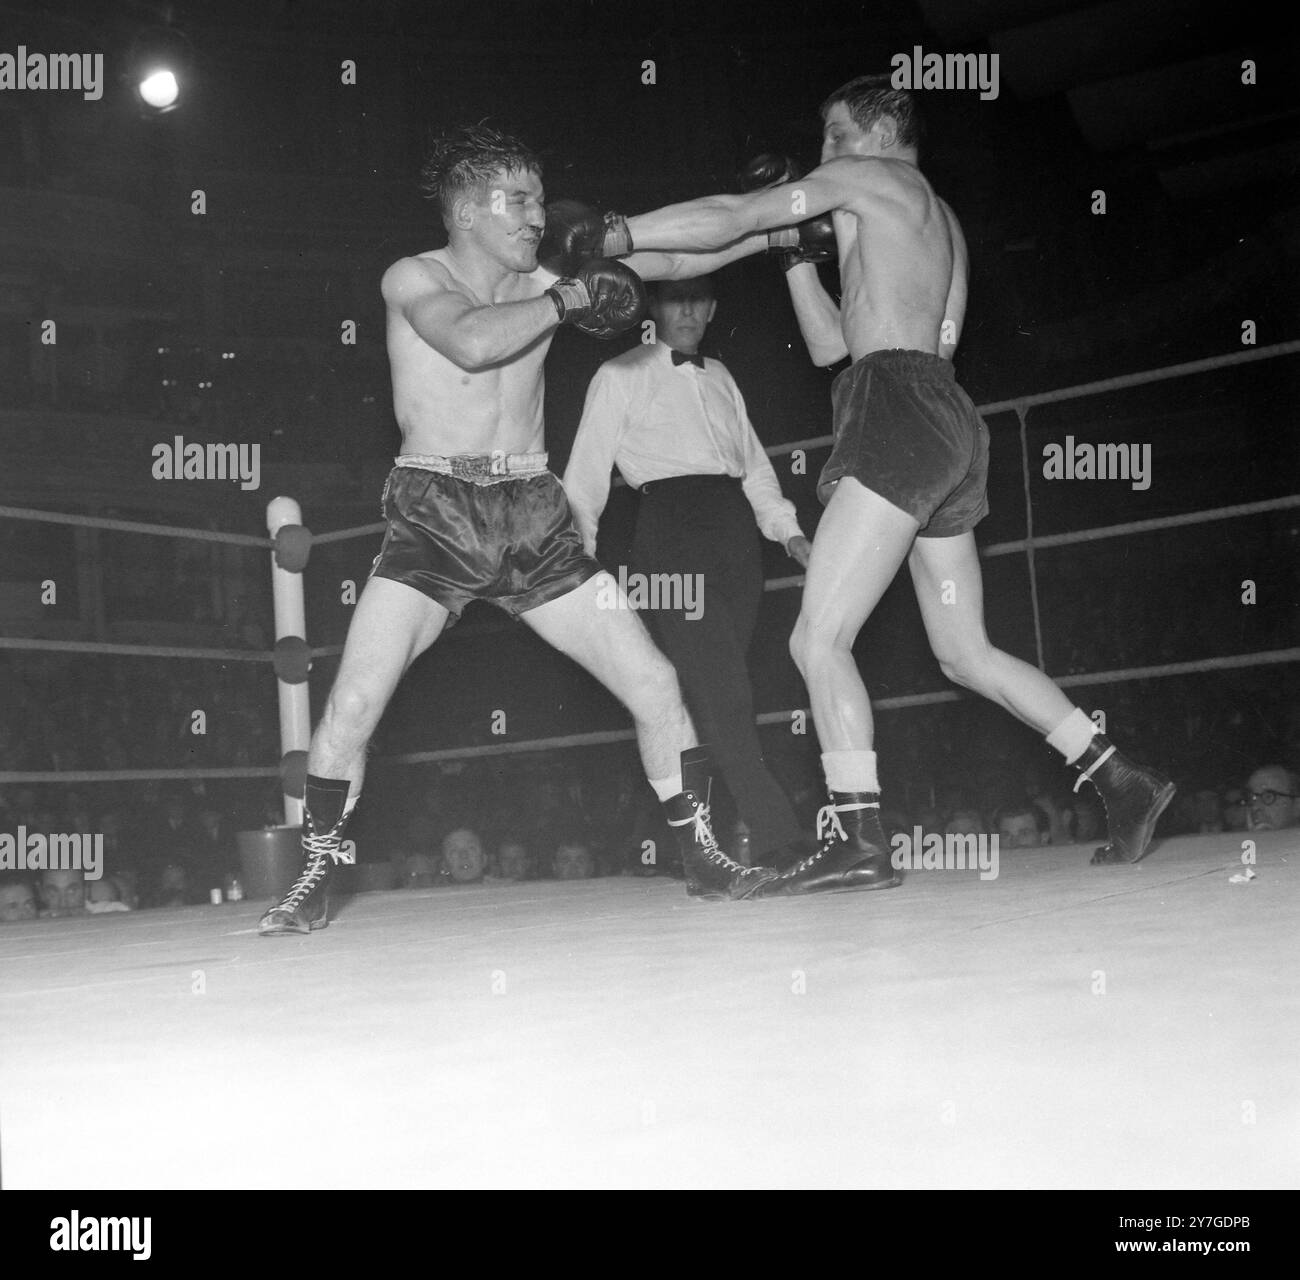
[
  {"x": 902, "y": 260},
  {"x": 442, "y": 408},
  {"x": 901, "y": 252}
]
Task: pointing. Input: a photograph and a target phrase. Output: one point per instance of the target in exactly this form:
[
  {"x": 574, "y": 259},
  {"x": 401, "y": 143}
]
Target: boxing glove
[
  {"x": 576, "y": 233},
  {"x": 810, "y": 241},
  {"x": 604, "y": 298}
]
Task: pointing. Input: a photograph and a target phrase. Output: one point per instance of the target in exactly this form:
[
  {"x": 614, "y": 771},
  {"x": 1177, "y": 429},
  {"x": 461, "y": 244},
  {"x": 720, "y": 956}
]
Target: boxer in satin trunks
[
  {"x": 906, "y": 430},
  {"x": 458, "y": 530}
]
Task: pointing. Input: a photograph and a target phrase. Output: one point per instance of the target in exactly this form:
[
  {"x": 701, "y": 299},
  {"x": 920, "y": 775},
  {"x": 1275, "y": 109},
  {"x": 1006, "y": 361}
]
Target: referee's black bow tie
[{"x": 680, "y": 357}]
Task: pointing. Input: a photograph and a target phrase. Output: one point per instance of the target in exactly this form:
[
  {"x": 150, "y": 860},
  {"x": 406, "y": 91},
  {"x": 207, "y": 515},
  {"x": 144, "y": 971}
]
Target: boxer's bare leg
[
  {"x": 950, "y": 591},
  {"x": 393, "y": 624},
  {"x": 860, "y": 544},
  {"x": 615, "y": 647},
  {"x": 613, "y": 644}
]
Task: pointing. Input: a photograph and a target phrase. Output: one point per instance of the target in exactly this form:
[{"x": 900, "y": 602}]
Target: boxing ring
[{"x": 1060, "y": 1025}]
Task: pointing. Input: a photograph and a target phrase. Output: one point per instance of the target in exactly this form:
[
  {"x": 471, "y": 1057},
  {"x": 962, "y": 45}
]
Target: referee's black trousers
[{"x": 701, "y": 530}]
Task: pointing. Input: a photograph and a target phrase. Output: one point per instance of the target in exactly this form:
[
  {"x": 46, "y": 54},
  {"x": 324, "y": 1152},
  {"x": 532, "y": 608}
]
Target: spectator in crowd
[
  {"x": 103, "y": 895},
  {"x": 966, "y": 822},
  {"x": 1022, "y": 826},
  {"x": 1208, "y": 811},
  {"x": 17, "y": 899},
  {"x": 573, "y": 860},
  {"x": 174, "y": 889},
  {"x": 63, "y": 892},
  {"x": 126, "y": 881},
  {"x": 1273, "y": 798},
  {"x": 418, "y": 871},
  {"x": 463, "y": 857},
  {"x": 1236, "y": 814},
  {"x": 213, "y": 858},
  {"x": 514, "y": 862},
  {"x": 1059, "y": 815}
]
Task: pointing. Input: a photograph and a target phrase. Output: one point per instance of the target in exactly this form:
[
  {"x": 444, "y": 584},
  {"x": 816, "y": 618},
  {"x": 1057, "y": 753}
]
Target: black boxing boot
[
  {"x": 306, "y": 906},
  {"x": 1133, "y": 797},
  {"x": 852, "y": 853},
  {"x": 710, "y": 873}
]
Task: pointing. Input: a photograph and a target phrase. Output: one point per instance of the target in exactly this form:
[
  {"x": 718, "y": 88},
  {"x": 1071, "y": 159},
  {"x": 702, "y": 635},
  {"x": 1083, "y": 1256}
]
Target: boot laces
[
  {"x": 708, "y": 841},
  {"x": 318, "y": 865},
  {"x": 828, "y": 820}
]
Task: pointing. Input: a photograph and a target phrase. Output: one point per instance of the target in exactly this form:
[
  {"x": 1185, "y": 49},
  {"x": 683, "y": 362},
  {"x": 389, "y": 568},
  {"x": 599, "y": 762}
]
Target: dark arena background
[{"x": 561, "y": 1014}]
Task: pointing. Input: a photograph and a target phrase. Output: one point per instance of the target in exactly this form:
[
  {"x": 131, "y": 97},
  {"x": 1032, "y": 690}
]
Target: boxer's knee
[
  {"x": 812, "y": 644},
  {"x": 966, "y": 666},
  {"x": 351, "y": 710}
]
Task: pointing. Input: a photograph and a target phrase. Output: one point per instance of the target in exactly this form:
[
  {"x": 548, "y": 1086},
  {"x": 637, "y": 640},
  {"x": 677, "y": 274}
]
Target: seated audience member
[
  {"x": 514, "y": 862},
  {"x": 463, "y": 857},
  {"x": 1208, "y": 811},
  {"x": 1273, "y": 798},
  {"x": 1022, "y": 826},
  {"x": 214, "y": 857},
  {"x": 63, "y": 893},
  {"x": 1059, "y": 815},
  {"x": 173, "y": 887},
  {"x": 127, "y": 884},
  {"x": 1236, "y": 813},
  {"x": 17, "y": 899},
  {"x": 573, "y": 860},
  {"x": 418, "y": 871},
  {"x": 965, "y": 822},
  {"x": 103, "y": 895}
]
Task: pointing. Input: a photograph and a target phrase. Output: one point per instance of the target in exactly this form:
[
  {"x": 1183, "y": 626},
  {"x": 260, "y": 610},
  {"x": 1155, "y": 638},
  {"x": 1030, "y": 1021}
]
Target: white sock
[
  {"x": 1072, "y": 735},
  {"x": 666, "y": 788},
  {"x": 850, "y": 770},
  {"x": 351, "y": 803}
]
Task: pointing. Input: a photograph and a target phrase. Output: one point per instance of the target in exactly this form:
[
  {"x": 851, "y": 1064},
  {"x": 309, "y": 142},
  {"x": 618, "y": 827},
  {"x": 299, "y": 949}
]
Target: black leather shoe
[
  {"x": 851, "y": 853},
  {"x": 1133, "y": 797},
  {"x": 306, "y": 906},
  {"x": 710, "y": 873}
]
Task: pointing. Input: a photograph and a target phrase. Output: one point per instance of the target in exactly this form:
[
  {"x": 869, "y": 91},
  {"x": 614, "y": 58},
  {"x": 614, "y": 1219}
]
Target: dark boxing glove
[
  {"x": 576, "y": 233},
  {"x": 767, "y": 170},
  {"x": 812, "y": 240},
  {"x": 605, "y": 298}
]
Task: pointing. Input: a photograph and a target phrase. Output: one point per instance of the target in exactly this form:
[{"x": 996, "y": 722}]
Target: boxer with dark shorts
[
  {"x": 458, "y": 530},
  {"x": 904, "y": 429},
  {"x": 905, "y": 481}
]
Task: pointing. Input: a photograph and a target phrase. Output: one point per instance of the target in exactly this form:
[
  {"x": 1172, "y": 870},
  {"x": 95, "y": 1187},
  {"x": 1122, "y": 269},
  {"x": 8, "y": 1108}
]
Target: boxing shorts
[
  {"x": 905, "y": 430},
  {"x": 481, "y": 527}
]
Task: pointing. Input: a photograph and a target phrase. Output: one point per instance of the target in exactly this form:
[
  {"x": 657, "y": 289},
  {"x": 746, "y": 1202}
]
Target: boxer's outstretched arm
[
  {"x": 818, "y": 315},
  {"x": 712, "y": 222},
  {"x": 467, "y": 333},
  {"x": 683, "y": 266}
]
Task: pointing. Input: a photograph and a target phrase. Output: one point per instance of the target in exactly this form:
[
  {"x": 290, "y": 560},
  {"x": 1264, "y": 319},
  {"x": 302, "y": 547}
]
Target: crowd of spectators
[{"x": 1230, "y": 740}]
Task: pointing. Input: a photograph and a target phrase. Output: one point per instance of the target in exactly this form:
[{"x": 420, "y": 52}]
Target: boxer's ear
[{"x": 462, "y": 212}]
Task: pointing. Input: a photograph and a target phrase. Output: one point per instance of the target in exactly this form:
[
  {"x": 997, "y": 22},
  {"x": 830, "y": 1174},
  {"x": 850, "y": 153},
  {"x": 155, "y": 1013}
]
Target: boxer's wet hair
[
  {"x": 469, "y": 159},
  {"x": 869, "y": 98}
]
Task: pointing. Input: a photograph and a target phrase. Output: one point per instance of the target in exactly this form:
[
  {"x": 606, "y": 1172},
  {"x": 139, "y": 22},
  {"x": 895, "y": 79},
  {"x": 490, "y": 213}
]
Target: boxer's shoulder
[{"x": 417, "y": 274}]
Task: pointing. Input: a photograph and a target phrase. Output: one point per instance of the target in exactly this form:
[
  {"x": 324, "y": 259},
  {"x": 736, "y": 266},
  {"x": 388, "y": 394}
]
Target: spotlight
[
  {"x": 160, "y": 66},
  {"x": 160, "y": 90}
]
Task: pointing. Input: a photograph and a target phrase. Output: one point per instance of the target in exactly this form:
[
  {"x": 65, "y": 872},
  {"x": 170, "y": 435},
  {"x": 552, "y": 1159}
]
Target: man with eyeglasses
[{"x": 1273, "y": 798}]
